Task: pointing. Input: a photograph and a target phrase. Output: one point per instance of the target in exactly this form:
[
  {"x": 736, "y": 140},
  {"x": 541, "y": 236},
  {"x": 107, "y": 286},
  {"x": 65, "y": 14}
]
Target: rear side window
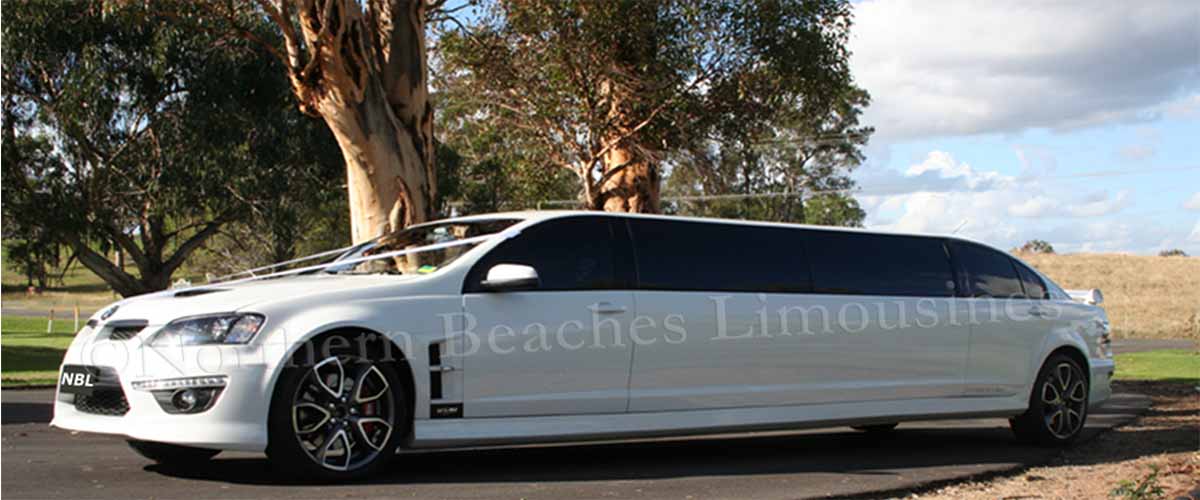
[
  {"x": 873, "y": 264},
  {"x": 697, "y": 256},
  {"x": 573, "y": 253},
  {"x": 1034, "y": 288},
  {"x": 989, "y": 273}
]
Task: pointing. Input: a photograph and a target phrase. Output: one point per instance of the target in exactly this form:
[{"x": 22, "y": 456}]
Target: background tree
[
  {"x": 794, "y": 167},
  {"x": 1036, "y": 246},
  {"x": 613, "y": 90},
  {"x": 27, "y": 245},
  {"x": 161, "y": 133},
  {"x": 479, "y": 172}
]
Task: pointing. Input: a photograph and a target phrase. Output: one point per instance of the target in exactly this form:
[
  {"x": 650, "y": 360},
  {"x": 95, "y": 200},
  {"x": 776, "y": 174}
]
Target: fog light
[{"x": 184, "y": 399}]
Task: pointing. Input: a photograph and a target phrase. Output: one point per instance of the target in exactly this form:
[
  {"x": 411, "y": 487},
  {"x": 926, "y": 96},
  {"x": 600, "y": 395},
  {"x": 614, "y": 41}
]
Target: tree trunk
[
  {"x": 629, "y": 179},
  {"x": 635, "y": 188},
  {"x": 387, "y": 166},
  {"x": 366, "y": 75}
]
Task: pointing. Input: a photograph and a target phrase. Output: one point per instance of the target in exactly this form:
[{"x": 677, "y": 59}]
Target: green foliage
[
  {"x": 162, "y": 134},
  {"x": 1036, "y": 246},
  {"x": 1173, "y": 252},
  {"x": 1146, "y": 488},
  {"x": 736, "y": 97},
  {"x": 479, "y": 173}
]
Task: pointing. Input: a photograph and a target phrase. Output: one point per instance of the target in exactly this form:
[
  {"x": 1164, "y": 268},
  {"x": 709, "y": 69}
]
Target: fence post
[
  {"x": 76, "y": 317},
  {"x": 50, "y": 323}
]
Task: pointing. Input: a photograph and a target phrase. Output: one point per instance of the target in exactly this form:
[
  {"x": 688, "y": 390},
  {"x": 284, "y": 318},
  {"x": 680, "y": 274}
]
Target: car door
[
  {"x": 1007, "y": 326},
  {"x": 559, "y": 348}
]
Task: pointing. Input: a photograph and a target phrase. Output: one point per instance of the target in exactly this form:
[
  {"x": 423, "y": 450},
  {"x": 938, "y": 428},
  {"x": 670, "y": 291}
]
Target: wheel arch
[
  {"x": 395, "y": 355},
  {"x": 1070, "y": 351},
  {"x": 1075, "y": 354}
]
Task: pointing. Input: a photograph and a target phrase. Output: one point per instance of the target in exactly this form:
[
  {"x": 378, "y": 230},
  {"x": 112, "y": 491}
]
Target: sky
[{"x": 1077, "y": 123}]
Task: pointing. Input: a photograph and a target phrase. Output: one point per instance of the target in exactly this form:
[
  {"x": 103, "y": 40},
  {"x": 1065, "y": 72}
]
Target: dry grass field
[{"x": 1145, "y": 296}]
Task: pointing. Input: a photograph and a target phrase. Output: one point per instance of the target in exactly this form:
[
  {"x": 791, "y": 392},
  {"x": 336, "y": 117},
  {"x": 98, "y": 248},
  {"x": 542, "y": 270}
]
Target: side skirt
[{"x": 470, "y": 432}]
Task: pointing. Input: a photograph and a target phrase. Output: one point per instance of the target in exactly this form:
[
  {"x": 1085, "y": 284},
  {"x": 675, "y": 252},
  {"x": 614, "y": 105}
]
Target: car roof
[{"x": 541, "y": 215}]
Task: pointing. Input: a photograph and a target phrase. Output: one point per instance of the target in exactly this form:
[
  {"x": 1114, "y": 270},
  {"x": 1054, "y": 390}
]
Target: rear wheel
[
  {"x": 338, "y": 419},
  {"x": 1058, "y": 406},
  {"x": 172, "y": 454}
]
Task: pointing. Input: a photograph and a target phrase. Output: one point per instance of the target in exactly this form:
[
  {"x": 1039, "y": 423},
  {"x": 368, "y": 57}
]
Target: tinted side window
[
  {"x": 989, "y": 273},
  {"x": 873, "y": 264},
  {"x": 574, "y": 253},
  {"x": 683, "y": 255},
  {"x": 1034, "y": 288}
]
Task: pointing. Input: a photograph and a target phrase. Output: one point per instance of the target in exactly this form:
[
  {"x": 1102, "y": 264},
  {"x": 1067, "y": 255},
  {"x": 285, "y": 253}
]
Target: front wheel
[
  {"x": 172, "y": 454},
  {"x": 1058, "y": 406},
  {"x": 340, "y": 418}
]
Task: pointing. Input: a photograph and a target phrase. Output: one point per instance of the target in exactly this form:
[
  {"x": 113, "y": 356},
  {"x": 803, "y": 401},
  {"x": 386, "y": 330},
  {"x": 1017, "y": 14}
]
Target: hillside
[{"x": 1145, "y": 296}]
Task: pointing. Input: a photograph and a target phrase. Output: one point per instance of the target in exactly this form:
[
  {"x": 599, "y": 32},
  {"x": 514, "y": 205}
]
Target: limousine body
[{"x": 569, "y": 326}]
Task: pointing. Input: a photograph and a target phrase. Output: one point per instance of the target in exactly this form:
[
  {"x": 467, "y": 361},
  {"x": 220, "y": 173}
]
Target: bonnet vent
[{"x": 199, "y": 291}]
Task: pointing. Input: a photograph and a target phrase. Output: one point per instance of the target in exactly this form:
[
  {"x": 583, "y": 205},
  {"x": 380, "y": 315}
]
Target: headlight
[{"x": 205, "y": 330}]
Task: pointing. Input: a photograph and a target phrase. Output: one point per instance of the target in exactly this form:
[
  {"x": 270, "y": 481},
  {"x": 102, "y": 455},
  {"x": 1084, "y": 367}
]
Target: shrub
[
  {"x": 1173, "y": 252},
  {"x": 1036, "y": 246}
]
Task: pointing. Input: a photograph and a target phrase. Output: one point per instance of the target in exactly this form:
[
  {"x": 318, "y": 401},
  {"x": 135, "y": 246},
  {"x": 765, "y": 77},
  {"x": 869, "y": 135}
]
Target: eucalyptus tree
[{"x": 361, "y": 66}]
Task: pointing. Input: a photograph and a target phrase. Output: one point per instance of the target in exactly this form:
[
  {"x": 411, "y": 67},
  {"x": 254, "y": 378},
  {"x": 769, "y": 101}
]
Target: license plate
[{"x": 76, "y": 379}]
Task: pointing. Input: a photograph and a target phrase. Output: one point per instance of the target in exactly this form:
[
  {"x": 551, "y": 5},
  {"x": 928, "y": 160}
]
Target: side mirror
[{"x": 511, "y": 277}]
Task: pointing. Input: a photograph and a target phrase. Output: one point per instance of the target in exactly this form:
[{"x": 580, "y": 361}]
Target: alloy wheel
[
  {"x": 343, "y": 413},
  {"x": 1064, "y": 400}
]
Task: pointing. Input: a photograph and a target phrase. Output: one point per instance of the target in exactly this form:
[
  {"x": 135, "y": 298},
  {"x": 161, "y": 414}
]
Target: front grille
[
  {"x": 103, "y": 402},
  {"x": 107, "y": 398}
]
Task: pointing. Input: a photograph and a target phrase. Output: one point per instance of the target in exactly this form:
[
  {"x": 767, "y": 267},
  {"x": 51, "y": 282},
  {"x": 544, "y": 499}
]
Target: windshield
[{"x": 422, "y": 261}]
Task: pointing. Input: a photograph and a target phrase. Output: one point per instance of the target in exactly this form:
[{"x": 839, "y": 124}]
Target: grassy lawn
[
  {"x": 29, "y": 355},
  {"x": 1167, "y": 365},
  {"x": 79, "y": 287}
]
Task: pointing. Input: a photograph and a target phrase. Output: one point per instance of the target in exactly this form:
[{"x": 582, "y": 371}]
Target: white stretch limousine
[{"x": 563, "y": 326}]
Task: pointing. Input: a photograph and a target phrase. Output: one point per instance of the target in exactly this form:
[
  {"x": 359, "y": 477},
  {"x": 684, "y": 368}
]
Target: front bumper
[{"x": 237, "y": 420}]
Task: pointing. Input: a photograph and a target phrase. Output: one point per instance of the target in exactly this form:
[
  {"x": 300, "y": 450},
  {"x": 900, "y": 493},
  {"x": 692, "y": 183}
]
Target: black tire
[
  {"x": 172, "y": 454},
  {"x": 311, "y": 428},
  {"x": 877, "y": 429},
  {"x": 1058, "y": 404}
]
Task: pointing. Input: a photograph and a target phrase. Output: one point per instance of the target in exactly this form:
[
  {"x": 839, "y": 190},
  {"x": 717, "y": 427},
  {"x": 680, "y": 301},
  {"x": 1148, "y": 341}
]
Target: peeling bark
[
  {"x": 366, "y": 75},
  {"x": 629, "y": 180},
  {"x": 634, "y": 188}
]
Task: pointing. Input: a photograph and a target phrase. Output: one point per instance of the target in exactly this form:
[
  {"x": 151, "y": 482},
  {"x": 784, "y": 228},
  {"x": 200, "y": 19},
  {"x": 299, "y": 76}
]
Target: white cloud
[
  {"x": 949, "y": 67},
  {"x": 1099, "y": 203},
  {"x": 1192, "y": 203},
  {"x": 1036, "y": 206},
  {"x": 1006, "y": 210}
]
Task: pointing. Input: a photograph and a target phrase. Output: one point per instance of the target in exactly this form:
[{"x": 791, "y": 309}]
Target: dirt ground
[{"x": 1166, "y": 438}]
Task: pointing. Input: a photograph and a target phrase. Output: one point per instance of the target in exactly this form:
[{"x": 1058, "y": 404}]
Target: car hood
[{"x": 162, "y": 307}]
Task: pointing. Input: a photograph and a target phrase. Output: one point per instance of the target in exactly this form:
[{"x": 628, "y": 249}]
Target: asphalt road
[{"x": 40, "y": 462}]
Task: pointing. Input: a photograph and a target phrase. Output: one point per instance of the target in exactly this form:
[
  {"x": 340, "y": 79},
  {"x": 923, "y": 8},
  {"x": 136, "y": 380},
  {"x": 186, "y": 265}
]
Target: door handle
[
  {"x": 608, "y": 308},
  {"x": 1038, "y": 312}
]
